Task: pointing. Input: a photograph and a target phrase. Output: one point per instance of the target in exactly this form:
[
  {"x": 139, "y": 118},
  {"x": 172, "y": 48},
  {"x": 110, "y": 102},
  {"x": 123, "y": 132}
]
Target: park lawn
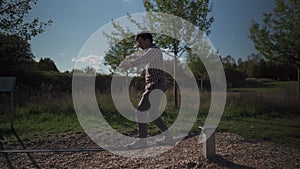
[
  {"x": 270, "y": 87},
  {"x": 253, "y": 117},
  {"x": 281, "y": 131},
  {"x": 269, "y": 111},
  {"x": 36, "y": 126}
]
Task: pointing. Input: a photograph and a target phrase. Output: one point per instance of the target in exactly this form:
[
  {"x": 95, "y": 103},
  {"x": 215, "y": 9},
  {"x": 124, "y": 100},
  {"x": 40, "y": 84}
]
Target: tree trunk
[
  {"x": 174, "y": 81},
  {"x": 298, "y": 81}
]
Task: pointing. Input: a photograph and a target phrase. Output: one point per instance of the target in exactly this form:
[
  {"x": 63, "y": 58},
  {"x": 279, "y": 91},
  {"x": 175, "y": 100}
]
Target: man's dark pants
[{"x": 144, "y": 108}]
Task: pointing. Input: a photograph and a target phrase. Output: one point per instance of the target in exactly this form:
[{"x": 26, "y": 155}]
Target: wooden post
[
  {"x": 298, "y": 92},
  {"x": 201, "y": 90},
  {"x": 12, "y": 110},
  {"x": 7, "y": 84},
  {"x": 209, "y": 146}
]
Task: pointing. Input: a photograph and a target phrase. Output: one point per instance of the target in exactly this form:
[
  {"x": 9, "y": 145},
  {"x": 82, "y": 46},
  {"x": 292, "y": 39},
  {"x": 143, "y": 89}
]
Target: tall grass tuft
[{"x": 252, "y": 104}]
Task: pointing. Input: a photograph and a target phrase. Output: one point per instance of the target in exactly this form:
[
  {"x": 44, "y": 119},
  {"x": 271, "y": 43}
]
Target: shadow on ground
[
  {"x": 4, "y": 157},
  {"x": 228, "y": 164}
]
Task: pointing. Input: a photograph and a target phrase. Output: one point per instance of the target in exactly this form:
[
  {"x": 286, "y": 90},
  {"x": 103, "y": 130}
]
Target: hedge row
[{"x": 62, "y": 82}]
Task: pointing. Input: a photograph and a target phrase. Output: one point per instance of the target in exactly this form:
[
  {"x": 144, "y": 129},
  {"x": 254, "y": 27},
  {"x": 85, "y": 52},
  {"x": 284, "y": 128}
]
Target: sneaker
[
  {"x": 166, "y": 142},
  {"x": 138, "y": 144}
]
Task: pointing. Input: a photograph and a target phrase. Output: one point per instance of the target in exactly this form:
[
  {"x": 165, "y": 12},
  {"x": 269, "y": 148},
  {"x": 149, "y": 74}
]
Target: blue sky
[{"x": 74, "y": 21}]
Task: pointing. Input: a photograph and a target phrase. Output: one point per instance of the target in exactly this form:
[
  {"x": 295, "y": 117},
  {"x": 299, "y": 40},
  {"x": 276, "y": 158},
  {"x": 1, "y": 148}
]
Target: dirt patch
[{"x": 232, "y": 152}]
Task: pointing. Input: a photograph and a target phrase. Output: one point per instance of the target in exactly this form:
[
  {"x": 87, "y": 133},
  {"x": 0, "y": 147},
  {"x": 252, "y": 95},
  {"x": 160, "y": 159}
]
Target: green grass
[
  {"x": 269, "y": 112},
  {"x": 270, "y": 87},
  {"x": 29, "y": 125},
  {"x": 277, "y": 130}
]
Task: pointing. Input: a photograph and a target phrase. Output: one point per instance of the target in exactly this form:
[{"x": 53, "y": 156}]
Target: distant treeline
[
  {"x": 236, "y": 75},
  {"x": 49, "y": 82},
  {"x": 256, "y": 67},
  {"x": 62, "y": 82}
]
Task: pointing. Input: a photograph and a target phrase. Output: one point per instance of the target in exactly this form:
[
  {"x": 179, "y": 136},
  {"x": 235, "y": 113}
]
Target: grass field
[
  {"x": 273, "y": 87},
  {"x": 267, "y": 111}
]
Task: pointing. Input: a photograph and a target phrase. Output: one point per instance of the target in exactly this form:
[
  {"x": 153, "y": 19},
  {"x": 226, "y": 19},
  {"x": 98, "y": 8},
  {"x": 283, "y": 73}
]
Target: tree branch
[{"x": 12, "y": 6}]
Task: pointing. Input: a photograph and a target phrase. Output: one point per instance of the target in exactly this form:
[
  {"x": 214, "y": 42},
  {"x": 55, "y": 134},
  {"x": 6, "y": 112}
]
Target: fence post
[
  {"x": 209, "y": 146},
  {"x": 7, "y": 84}
]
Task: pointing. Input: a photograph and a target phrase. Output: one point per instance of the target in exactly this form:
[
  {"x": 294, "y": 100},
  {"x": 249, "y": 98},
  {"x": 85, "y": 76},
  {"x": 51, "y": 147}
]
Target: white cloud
[{"x": 91, "y": 59}]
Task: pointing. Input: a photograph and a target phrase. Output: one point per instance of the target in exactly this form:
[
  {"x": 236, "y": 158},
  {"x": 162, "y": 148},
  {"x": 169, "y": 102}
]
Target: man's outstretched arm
[{"x": 142, "y": 58}]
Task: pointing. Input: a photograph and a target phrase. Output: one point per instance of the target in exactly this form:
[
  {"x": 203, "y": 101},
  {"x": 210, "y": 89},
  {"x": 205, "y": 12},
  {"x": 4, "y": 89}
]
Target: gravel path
[{"x": 232, "y": 152}]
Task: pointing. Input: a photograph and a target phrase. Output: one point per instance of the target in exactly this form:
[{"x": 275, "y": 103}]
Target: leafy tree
[
  {"x": 78, "y": 71},
  {"x": 253, "y": 70},
  {"x": 15, "y": 54},
  {"x": 255, "y": 58},
  {"x": 119, "y": 49},
  {"x": 196, "y": 66},
  {"x": 89, "y": 70},
  {"x": 242, "y": 65},
  {"x": 194, "y": 11},
  {"x": 277, "y": 38},
  {"x": 12, "y": 16},
  {"x": 234, "y": 77},
  {"x": 228, "y": 62},
  {"x": 46, "y": 64},
  {"x": 258, "y": 67},
  {"x": 255, "y": 65}
]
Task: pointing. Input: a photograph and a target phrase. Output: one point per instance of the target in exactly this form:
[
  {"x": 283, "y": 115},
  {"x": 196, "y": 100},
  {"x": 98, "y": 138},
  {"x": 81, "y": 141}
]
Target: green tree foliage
[
  {"x": 119, "y": 49},
  {"x": 15, "y": 32},
  {"x": 267, "y": 69},
  {"x": 277, "y": 38},
  {"x": 197, "y": 66},
  {"x": 253, "y": 70},
  {"x": 46, "y": 64},
  {"x": 12, "y": 19},
  {"x": 194, "y": 11},
  {"x": 15, "y": 55},
  {"x": 89, "y": 70},
  {"x": 255, "y": 65},
  {"x": 228, "y": 62}
]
